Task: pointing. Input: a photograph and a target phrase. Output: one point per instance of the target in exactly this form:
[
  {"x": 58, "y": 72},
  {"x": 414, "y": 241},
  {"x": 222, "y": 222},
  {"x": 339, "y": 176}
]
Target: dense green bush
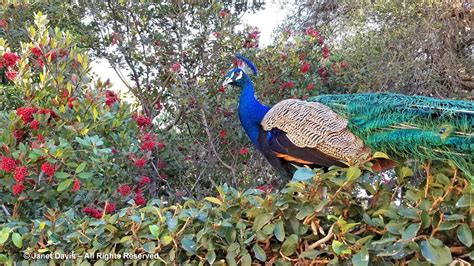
[
  {"x": 72, "y": 143},
  {"x": 359, "y": 220}
]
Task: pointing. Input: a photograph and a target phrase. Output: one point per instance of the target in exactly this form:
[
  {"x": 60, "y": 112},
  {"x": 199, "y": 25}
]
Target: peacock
[{"x": 334, "y": 130}]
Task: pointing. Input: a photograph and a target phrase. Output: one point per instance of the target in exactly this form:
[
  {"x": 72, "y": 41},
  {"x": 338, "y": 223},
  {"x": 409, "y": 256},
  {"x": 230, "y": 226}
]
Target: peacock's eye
[{"x": 237, "y": 75}]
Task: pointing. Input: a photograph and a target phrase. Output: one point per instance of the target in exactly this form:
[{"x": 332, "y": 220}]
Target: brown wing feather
[{"x": 314, "y": 125}]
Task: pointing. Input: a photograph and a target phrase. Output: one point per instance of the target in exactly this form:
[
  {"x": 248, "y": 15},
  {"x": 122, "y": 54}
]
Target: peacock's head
[{"x": 238, "y": 75}]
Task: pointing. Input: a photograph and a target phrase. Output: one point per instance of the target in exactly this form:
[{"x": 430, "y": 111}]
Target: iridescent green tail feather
[{"x": 410, "y": 127}]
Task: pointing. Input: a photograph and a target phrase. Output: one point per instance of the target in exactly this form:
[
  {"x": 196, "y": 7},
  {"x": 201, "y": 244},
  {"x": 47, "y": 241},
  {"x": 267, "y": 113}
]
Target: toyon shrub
[
  {"x": 339, "y": 217},
  {"x": 71, "y": 142}
]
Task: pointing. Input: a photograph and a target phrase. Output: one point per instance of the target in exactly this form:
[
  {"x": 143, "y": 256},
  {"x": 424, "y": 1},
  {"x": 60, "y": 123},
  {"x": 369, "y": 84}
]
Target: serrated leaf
[
  {"x": 64, "y": 185},
  {"x": 214, "y": 200},
  {"x": 259, "y": 253},
  {"x": 17, "y": 240},
  {"x": 302, "y": 174},
  {"x": 465, "y": 235},
  {"x": 289, "y": 246}
]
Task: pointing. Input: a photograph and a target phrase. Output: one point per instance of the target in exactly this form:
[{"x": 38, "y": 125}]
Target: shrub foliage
[{"x": 416, "y": 225}]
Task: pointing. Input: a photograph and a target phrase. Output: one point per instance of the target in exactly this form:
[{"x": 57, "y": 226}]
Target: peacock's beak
[{"x": 227, "y": 81}]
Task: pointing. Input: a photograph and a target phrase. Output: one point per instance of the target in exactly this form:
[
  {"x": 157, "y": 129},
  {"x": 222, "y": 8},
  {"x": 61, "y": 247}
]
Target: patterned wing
[{"x": 313, "y": 126}]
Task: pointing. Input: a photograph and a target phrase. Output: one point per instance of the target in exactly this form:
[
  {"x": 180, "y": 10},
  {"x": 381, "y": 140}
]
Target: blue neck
[{"x": 251, "y": 112}]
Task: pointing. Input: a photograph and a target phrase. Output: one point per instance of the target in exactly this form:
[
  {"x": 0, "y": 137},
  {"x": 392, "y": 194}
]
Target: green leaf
[
  {"x": 435, "y": 251},
  {"x": 81, "y": 167},
  {"x": 154, "y": 230},
  {"x": 353, "y": 173},
  {"x": 448, "y": 225},
  {"x": 4, "y": 234},
  {"x": 337, "y": 247},
  {"x": 380, "y": 154},
  {"x": 454, "y": 217},
  {"x": 394, "y": 228},
  {"x": 465, "y": 235},
  {"x": 149, "y": 247},
  {"x": 61, "y": 175},
  {"x": 211, "y": 256},
  {"x": 214, "y": 200},
  {"x": 406, "y": 171},
  {"x": 279, "y": 230},
  {"x": 311, "y": 254},
  {"x": 166, "y": 240},
  {"x": 188, "y": 244},
  {"x": 465, "y": 201},
  {"x": 409, "y": 213},
  {"x": 361, "y": 258},
  {"x": 85, "y": 175},
  {"x": 411, "y": 231},
  {"x": 289, "y": 246},
  {"x": 259, "y": 253},
  {"x": 17, "y": 240},
  {"x": 303, "y": 174},
  {"x": 261, "y": 220},
  {"x": 3, "y": 258},
  {"x": 268, "y": 229},
  {"x": 64, "y": 185},
  {"x": 246, "y": 260}
]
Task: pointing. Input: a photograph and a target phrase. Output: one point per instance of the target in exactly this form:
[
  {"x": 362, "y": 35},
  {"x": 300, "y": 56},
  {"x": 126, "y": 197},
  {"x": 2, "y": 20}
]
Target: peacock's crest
[{"x": 245, "y": 64}]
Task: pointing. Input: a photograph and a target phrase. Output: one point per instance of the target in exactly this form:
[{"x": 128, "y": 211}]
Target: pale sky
[{"x": 266, "y": 20}]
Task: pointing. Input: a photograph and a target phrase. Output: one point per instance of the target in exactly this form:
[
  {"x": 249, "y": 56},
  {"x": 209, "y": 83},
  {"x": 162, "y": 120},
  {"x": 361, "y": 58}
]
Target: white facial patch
[{"x": 239, "y": 76}]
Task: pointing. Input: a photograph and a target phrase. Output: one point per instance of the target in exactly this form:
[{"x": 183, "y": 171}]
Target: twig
[
  {"x": 428, "y": 179},
  {"x": 323, "y": 240},
  {"x": 213, "y": 148},
  {"x": 5, "y": 210},
  {"x": 174, "y": 122},
  {"x": 450, "y": 188}
]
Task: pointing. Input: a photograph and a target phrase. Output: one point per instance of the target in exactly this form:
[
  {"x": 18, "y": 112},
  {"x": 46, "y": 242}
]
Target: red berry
[
  {"x": 8, "y": 164},
  {"x": 34, "y": 124},
  {"x": 139, "y": 199},
  {"x": 140, "y": 162},
  {"x": 48, "y": 169},
  {"x": 145, "y": 180},
  {"x": 109, "y": 207},
  {"x": 76, "y": 185},
  {"x": 18, "y": 188},
  {"x": 244, "y": 151},
  {"x": 20, "y": 173},
  {"x": 124, "y": 190}
]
